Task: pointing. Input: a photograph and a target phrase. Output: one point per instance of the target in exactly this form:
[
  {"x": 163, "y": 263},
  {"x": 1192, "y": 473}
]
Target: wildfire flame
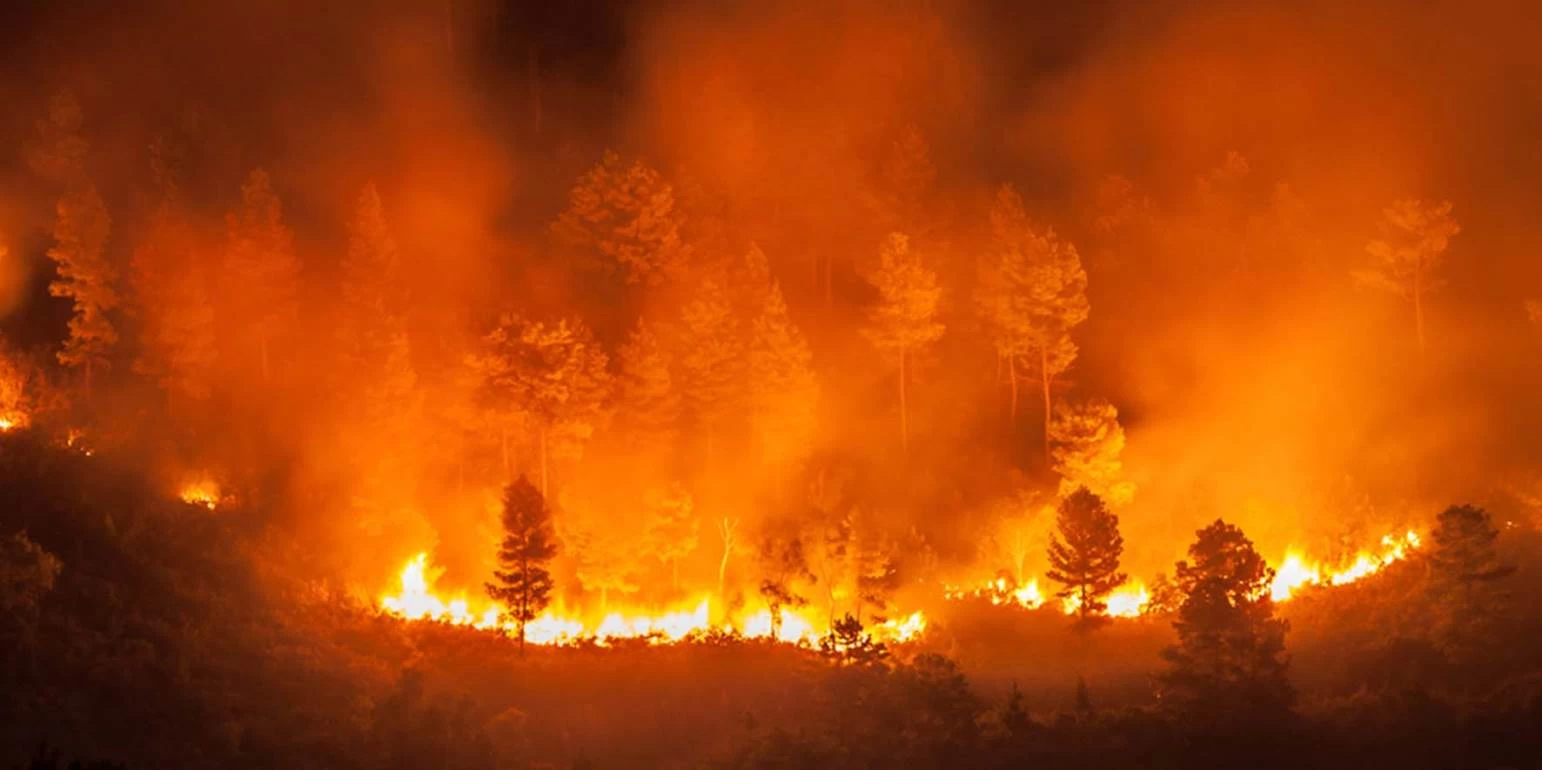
[
  {"x": 204, "y": 492},
  {"x": 416, "y": 600},
  {"x": 1295, "y": 572}
]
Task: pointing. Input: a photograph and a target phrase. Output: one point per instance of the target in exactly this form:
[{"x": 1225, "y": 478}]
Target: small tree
[
  {"x": 672, "y": 529},
  {"x": 1085, "y": 443},
  {"x": 783, "y": 392},
  {"x": 86, "y": 278},
  {"x": 628, "y": 215},
  {"x": 1464, "y": 572},
  {"x": 905, "y": 320},
  {"x": 783, "y": 563},
  {"x": 1409, "y": 253},
  {"x": 712, "y": 360},
  {"x": 1084, "y": 557},
  {"x": 849, "y": 645},
  {"x": 523, "y": 583},
  {"x": 649, "y": 402},
  {"x": 261, "y": 268},
  {"x": 1230, "y": 657}
]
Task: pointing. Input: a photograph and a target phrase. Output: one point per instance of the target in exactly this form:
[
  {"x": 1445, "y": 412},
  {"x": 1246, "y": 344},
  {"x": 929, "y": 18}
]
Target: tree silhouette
[
  {"x": 86, "y": 278},
  {"x": 628, "y": 215},
  {"x": 783, "y": 563},
  {"x": 649, "y": 402},
  {"x": 712, "y": 363},
  {"x": 261, "y": 268},
  {"x": 783, "y": 392},
  {"x": 554, "y": 373},
  {"x": 1084, "y": 556},
  {"x": 673, "y": 528},
  {"x": 848, "y": 644},
  {"x": 1085, "y": 443},
  {"x": 1032, "y": 292},
  {"x": 523, "y": 583},
  {"x": 905, "y": 319},
  {"x": 1465, "y": 570},
  {"x": 1409, "y": 253},
  {"x": 1229, "y": 661}
]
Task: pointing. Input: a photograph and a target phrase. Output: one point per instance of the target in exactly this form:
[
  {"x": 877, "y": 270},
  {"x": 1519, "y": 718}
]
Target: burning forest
[{"x": 490, "y": 384}]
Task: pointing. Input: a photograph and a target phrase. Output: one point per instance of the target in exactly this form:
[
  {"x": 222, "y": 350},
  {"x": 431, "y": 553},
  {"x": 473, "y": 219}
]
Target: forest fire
[
  {"x": 1296, "y": 572},
  {"x": 202, "y": 492},
  {"x": 416, "y": 600}
]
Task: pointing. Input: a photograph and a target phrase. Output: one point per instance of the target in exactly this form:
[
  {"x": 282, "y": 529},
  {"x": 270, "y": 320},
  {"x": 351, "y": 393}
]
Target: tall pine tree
[
  {"x": 523, "y": 583},
  {"x": 1084, "y": 555},
  {"x": 649, "y": 403},
  {"x": 905, "y": 320},
  {"x": 784, "y": 395},
  {"x": 261, "y": 269},
  {"x": 712, "y": 362}
]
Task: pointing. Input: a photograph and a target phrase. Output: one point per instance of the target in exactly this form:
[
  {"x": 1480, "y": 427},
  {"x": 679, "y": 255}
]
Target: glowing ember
[{"x": 1000, "y": 591}]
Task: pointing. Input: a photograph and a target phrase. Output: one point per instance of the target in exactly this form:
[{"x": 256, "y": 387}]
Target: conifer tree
[
  {"x": 261, "y": 268},
  {"x": 1229, "y": 661},
  {"x": 1084, "y": 555},
  {"x": 784, "y": 394},
  {"x": 171, "y": 283},
  {"x": 1465, "y": 577},
  {"x": 649, "y": 402},
  {"x": 1032, "y": 292},
  {"x": 628, "y": 216},
  {"x": 672, "y": 527},
  {"x": 1408, "y": 256},
  {"x": 85, "y": 277},
  {"x": 905, "y": 320},
  {"x": 554, "y": 373},
  {"x": 712, "y": 362},
  {"x": 1085, "y": 443},
  {"x": 523, "y": 583}
]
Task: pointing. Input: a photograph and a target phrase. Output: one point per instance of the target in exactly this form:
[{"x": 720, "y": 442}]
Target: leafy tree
[
  {"x": 849, "y": 645},
  {"x": 1408, "y": 256},
  {"x": 909, "y": 180},
  {"x": 553, "y": 373},
  {"x": 1032, "y": 292},
  {"x": 905, "y": 320},
  {"x": 263, "y": 272},
  {"x": 1085, "y": 443},
  {"x": 1084, "y": 557},
  {"x": 523, "y": 581},
  {"x": 177, "y": 317},
  {"x": 877, "y": 570},
  {"x": 629, "y": 216},
  {"x": 606, "y": 559},
  {"x": 59, "y": 152},
  {"x": 649, "y": 402},
  {"x": 672, "y": 529},
  {"x": 712, "y": 364},
  {"x": 85, "y": 277},
  {"x": 1230, "y": 659},
  {"x": 783, "y": 392},
  {"x": 27, "y": 573}
]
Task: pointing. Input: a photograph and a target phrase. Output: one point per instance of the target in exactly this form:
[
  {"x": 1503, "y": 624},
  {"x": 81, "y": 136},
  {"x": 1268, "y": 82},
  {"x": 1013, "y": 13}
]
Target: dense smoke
[{"x": 1220, "y": 168}]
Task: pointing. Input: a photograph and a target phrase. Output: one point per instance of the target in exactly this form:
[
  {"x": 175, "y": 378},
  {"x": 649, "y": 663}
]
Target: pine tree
[
  {"x": 1032, "y": 292},
  {"x": 784, "y": 394},
  {"x": 848, "y": 644},
  {"x": 1229, "y": 661},
  {"x": 177, "y": 316},
  {"x": 905, "y": 319},
  {"x": 1084, "y": 557},
  {"x": 553, "y": 373},
  {"x": 909, "y": 178},
  {"x": 1465, "y": 573},
  {"x": 523, "y": 581},
  {"x": 85, "y": 277},
  {"x": 262, "y": 270},
  {"x": 673, "y": 528},
  {"x": 649, "y": 403},
  {"x": 1410, "y": 252},
  {"x": 712, "y": 364},
  {"x": 629, "y": 217},
  {"x": 1085, "y": 443}
]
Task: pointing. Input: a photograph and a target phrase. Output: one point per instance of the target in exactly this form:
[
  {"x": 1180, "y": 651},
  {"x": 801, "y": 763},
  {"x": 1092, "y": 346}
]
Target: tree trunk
[
  {"x": 521, "y": 637},
  {"x": 904, "y": 413},
  {"x": 543, "y": 461},
  {"x": 1012, "y": 379},
  {"x": 727, "y": 528},
  {"x": 1418, "y": 303},
  {"x": 262, "y": 348},
  {"x": 1044, "y": 377}
]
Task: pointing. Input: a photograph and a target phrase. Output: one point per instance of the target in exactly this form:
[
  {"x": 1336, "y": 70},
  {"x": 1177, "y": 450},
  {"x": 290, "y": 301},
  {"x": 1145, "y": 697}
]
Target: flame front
[{"x": 1295, "y": 572}]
